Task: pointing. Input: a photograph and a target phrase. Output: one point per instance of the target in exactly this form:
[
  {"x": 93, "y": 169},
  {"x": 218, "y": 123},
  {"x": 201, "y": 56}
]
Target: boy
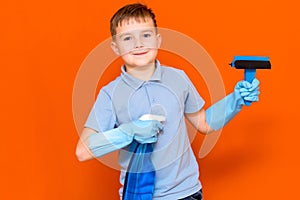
[{"x": 146, "y": 87}]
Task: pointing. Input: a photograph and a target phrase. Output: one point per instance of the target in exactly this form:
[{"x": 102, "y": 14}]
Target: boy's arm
[
  {"x": 95, "y": 144},
  {"x": 220, "y": 113},
  {"x": 198, "y": 120},
  {"x": 83, "y": 153}
]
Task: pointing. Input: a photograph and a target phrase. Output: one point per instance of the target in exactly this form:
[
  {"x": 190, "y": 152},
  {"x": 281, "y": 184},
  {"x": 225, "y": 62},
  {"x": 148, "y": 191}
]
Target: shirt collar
[{"x": 136, "y": 83}]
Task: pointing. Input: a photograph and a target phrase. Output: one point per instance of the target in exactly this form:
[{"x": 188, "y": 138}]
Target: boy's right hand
[{"x": 143, "y": 131}]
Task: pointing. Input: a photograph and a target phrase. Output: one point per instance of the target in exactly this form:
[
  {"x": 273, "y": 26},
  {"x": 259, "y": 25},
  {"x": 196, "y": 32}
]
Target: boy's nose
[{"x": 138, "y": 43}]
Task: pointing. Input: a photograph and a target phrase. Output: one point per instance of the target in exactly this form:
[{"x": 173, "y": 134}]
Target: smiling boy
[
  {"x": 143, "y": 86},
  {"x": 136, "y": 40}
]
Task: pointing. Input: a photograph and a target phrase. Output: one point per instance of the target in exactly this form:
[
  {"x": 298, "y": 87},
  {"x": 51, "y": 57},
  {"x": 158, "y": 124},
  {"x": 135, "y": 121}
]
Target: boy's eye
[
  {"x": 147, "y": 35},
  {"x": 127, "y": 38}
]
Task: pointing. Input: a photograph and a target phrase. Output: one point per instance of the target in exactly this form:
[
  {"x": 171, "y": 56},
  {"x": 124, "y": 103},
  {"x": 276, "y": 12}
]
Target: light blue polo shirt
[{"x": 168, "y": 92}]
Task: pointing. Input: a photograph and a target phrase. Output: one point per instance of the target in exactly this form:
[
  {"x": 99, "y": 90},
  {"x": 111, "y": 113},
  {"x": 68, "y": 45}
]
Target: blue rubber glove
[
  {"x": 109, "y": 141},
  {"x": 220, "y": 113},
  {"x": 249, "y": 91},
  {"x": 144, "y": 131}
]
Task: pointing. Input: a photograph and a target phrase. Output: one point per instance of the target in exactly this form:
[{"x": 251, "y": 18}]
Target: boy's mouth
[{"x": 139, "y": 53}]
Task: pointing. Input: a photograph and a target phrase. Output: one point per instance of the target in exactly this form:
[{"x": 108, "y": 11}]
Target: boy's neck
[{"x": 141, "y": 72}]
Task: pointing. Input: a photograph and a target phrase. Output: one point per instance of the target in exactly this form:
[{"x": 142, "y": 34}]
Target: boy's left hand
[{"x": 248, "y": 91}]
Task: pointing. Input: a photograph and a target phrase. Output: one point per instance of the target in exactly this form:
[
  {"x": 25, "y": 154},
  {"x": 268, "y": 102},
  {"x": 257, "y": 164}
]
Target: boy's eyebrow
[
  {"x": 130, "y": 32},
  {"x": 148, "y": 30},
  {"x": 123, "y": 34}
]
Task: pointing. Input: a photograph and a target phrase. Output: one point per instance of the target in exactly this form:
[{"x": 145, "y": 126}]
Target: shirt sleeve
[
  {"x": 101, "y": 117},
  {"x": 193, "y": 102}
]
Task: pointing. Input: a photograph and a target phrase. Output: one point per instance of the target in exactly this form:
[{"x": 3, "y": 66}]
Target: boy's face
[{"x": 137, "y": 42}]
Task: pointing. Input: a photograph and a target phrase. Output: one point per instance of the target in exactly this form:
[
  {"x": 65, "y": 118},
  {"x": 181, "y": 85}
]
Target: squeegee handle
[{"x": 249, "y": 76}]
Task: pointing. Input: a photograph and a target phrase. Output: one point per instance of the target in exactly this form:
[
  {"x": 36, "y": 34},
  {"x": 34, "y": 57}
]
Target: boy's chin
[{"x": 140, "y": 63}]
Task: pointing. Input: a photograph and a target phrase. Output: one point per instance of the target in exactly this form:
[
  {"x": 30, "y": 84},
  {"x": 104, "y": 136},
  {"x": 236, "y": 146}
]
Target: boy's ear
[
  {"x": 159, "y": 39},
  {"x": 115, "y": 48}
]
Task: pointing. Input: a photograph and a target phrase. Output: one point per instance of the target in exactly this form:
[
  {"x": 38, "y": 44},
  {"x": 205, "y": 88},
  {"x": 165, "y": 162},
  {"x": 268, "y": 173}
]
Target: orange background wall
[{"x": 43, "y": 45}]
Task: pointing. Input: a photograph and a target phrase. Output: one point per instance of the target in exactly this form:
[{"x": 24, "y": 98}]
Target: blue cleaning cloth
[{"x": 140, "y": 177}]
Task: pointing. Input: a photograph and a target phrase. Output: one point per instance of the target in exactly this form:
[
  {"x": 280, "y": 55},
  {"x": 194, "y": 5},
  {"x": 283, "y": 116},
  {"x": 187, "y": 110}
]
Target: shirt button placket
[{"x": 149, "y": 93}]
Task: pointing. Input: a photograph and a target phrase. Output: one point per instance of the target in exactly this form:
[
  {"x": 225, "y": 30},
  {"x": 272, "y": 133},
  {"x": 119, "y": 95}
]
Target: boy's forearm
[
  {"x": 93, "y": 144},
  {"x": 198, "y": 120},
  {"x": 83, "y": 153},
  {"x": 206, "y": 128}
]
